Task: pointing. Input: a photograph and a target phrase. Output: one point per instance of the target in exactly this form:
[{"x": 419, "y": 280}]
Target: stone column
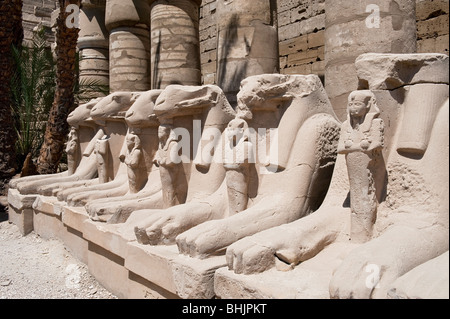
[
  {"x": 93, "y": 43},
  {"x": 247, "y": 42},
  {"x": 357, "y": 27},
  {"x": 175, "y": 43},
  {"x": 128, "y": 22}
]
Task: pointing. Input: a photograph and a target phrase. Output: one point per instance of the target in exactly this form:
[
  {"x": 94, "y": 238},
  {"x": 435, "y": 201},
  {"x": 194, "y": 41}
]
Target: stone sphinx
[
  {"x": 109, "y": 115},
  {"x": 299, "y": 108},
  {"x": 187, "y": 179},
  {"x": 289, "y": 185},
  {"x": 81, "y": 160},
  {"x": 411, "y": 197},
  {"x": 143, "y": 176}
]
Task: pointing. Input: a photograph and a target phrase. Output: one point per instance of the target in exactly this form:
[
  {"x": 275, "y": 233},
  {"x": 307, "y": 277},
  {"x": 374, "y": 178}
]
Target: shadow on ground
[{"x": 3, "y": 213}]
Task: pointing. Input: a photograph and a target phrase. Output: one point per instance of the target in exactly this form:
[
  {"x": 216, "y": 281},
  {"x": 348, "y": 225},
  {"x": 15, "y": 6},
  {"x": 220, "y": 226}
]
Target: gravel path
[{"x": 34, "y": 268}]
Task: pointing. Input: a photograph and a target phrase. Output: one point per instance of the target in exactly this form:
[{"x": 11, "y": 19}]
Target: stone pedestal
[
  {"x": 357, "y": 27},
  {"x": 52, "y": 220},
  {"x": 309, "y": 280},
  {"x": 175, "y": 49},
  {"x": 93, "y": 43},
  {"x": 128, "y": 23},
  {"x": 247, "y": 42},
  {"x": 20, "y": 210}
]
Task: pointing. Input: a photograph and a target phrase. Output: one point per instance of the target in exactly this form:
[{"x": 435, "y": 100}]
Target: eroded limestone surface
[{"x": 299, "y": 191}]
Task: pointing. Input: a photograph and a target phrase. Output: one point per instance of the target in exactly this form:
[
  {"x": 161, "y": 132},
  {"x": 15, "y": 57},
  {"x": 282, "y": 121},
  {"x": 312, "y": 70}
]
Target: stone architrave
[
  {"x": 356, "y": 27},
  {"x": 247, "y": 42},
  {"x": 362, "y": 140},
  {"x": 175, "y": 43}
]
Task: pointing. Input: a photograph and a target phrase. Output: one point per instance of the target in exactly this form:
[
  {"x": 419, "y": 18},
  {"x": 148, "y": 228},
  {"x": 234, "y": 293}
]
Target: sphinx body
[
  {"x": 411, "y": 201},
  {"x": 203, "y": 227}
]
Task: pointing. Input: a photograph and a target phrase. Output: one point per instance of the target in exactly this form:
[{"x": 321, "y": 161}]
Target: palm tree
[
  {"x": 33, "y": 91},
  {"x": 11, "y": 35},
  {"x": 64, "y": 101}
]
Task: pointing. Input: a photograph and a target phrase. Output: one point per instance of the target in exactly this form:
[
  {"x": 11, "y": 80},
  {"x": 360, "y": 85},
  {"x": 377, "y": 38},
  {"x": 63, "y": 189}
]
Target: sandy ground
[{"x": 34, "y": 268}]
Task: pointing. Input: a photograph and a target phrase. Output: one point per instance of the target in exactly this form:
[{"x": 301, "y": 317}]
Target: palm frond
[{"x": 33, "y": 89}]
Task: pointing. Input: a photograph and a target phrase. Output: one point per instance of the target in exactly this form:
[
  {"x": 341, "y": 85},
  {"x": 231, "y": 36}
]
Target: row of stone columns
[
  {"x": 151, "y": 44},
  {"x": 138, "y": 45},
  {"x": 93, "y": 43},
  {"x": 154, "y": 43}
]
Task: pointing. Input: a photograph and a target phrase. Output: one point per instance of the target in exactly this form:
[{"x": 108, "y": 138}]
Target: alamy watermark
[
  {"x": 73, "y": 19},
  {"x": 373, "y": 21},
  {"x": 373, "y": 280},
  {"x": 233, "y": 146},
  {"x": 73, "y": 277}
]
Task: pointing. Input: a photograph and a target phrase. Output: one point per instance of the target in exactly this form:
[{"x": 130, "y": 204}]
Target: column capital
[{"x": 121, "y": 13}]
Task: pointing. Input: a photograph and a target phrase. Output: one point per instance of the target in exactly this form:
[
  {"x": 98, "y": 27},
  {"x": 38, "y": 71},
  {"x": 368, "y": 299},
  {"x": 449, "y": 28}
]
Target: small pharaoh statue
[
  {"x": 137, "y": 174},
  {"x": 362, "y": 140},
  {"x": 170, "y": 166},
  {"x": 102, "y": 152},
  {"x": 72, "y": 150},
  {"x": 237, "y": 158}
]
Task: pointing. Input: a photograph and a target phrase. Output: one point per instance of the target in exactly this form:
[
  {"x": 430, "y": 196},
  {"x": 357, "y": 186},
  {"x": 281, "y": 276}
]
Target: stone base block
[
  {"x": 47, "y": 220},
  {"x": 73, "y": 218},
  {"x": 20, "y": 211},
  {"x": 309, "y": 280},
  {"x": 53, "y": 220},
  {"x": 186, "y": 277},
  {"x": 23, "y": 219}
]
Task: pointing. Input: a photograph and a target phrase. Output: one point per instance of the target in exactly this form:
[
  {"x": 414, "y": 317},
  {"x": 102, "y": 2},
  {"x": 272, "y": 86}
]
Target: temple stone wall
[
  {"x": 432, "y": 26},
  {"x": 37, "y": 12},
  {"x": 301, "y": 34}
]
